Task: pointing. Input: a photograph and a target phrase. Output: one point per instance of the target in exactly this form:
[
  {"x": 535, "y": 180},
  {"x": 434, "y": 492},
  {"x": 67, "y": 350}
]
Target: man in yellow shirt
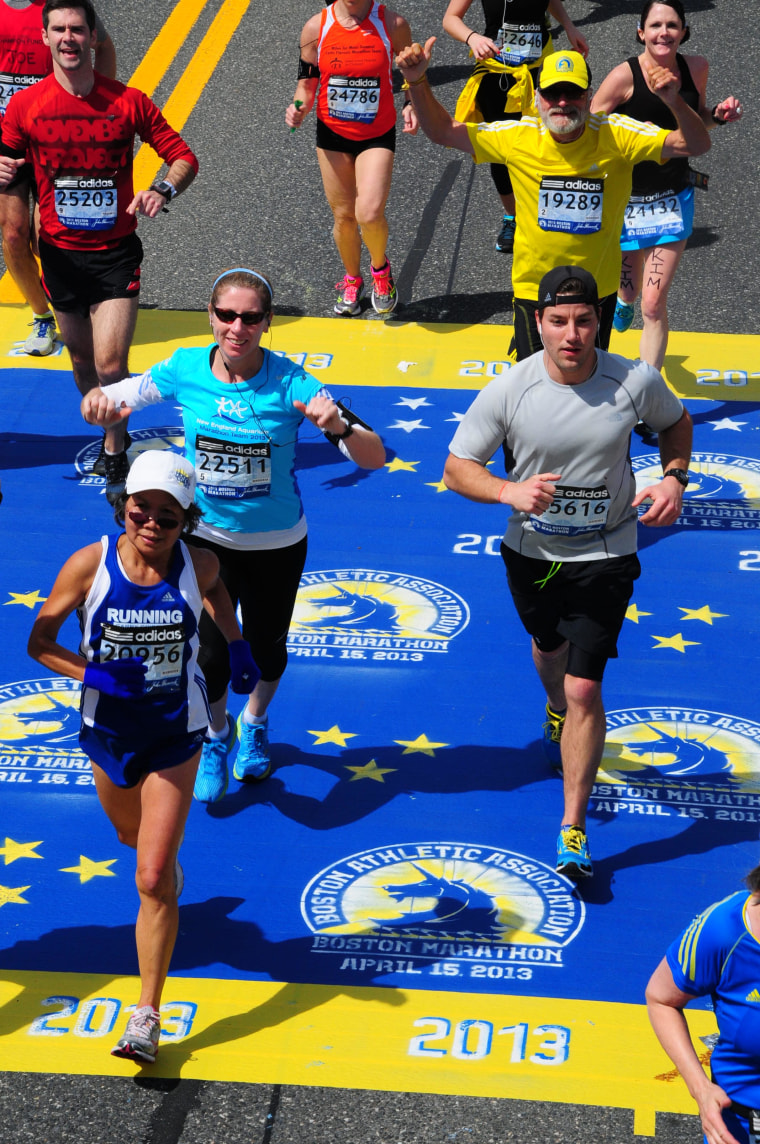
[{"x": 571, "y": 172}]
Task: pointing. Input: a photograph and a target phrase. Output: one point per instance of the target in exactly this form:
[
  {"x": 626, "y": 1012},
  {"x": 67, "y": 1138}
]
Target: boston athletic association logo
[
  {"x": 723, "y": 492},
  {"x": 373, "y": 615},
  {"x": 39, "y": 734},
  {"x": 451, "y": 900}
]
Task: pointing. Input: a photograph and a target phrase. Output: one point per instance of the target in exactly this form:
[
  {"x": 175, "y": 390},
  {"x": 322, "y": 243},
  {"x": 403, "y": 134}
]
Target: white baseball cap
[{"x": 164, "y": 470}]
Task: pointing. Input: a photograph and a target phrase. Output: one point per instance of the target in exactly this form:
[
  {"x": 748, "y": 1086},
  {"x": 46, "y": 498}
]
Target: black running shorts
[
  {"x": 74, "y": 280},
  {"x": 581, "y": 601},
  {"x": 330, "y": 140}
]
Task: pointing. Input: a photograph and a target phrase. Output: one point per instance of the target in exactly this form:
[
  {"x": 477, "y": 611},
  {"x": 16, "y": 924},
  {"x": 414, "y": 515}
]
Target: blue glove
[
  {"x": 122, "y": 678},
  {"x": 245, "y": 674}
]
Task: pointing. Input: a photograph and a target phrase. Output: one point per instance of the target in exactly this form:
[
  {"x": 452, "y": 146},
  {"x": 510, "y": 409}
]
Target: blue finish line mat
[{"x": 383, "y": 912}]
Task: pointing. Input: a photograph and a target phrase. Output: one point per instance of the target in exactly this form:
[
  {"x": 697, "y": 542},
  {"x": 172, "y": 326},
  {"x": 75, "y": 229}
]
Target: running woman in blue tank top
[
  {"x": 659, "y": 216},
  {"x": 139, "y": 596}
]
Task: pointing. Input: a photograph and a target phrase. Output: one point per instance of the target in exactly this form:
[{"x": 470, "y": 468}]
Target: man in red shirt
[
  {"x": 78, "y": 128},
  {"x": 24, "y": 61}
]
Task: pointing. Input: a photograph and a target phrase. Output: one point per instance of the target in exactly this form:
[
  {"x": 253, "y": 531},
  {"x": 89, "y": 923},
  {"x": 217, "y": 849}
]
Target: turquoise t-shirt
[{"x": 240, "y": 437}]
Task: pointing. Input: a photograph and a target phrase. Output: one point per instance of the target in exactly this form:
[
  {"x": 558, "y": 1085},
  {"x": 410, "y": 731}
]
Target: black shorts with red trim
[{"x": 74, "y": 280}]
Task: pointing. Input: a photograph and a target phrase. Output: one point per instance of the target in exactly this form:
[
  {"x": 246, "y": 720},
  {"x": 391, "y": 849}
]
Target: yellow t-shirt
[{"x": 570, "y": 196}]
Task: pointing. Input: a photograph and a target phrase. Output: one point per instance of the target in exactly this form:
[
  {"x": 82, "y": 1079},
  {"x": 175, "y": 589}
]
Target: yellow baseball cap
[{"x": 565, "y": 67}]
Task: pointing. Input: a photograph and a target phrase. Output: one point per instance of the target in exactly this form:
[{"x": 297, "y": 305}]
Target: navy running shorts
[{"x": 125, "y": 766}]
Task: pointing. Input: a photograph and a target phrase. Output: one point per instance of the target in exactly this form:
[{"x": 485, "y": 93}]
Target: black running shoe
[
  {"x": 99, "y": 468},
  {"x": 505, "y": 243},
  {"x": 117, "y": 469}
]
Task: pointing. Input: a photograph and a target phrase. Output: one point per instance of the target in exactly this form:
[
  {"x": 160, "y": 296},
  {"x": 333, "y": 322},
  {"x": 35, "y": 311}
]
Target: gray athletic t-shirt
[{"x": 580, "y": 431}]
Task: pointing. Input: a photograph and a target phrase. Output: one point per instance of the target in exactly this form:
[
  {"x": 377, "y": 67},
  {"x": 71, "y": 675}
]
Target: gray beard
[
  {"x": 18, "y": 4},
  {"x": 565, "y": 129}
]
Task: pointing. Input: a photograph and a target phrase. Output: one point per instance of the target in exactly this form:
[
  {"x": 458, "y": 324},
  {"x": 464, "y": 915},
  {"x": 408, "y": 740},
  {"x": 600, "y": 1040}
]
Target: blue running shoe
[
  {"x": 252, "y": 763},
  {"x": 623, "y": 317},
  {"x": 212, "y": 778},
  {"x": 505, "y": 243},
  {"x": 573, "y": 858},
  {"x": 552, "y": 736}
]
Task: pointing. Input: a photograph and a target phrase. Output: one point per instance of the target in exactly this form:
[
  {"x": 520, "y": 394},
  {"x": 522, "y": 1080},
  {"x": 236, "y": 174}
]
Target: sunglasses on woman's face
[
  {"x": 249, "y": 318},
  {"x": 167, "y": 523}
]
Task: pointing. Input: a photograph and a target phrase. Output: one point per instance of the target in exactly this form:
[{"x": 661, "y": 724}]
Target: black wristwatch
[
  {"x": 681, "y": 476},
  {"x": 166, "y": 189},
  {"x": 346, "y": 432}
]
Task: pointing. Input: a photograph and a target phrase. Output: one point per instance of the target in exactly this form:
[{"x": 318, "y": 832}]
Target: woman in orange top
[{"x": 347, "y": 51}]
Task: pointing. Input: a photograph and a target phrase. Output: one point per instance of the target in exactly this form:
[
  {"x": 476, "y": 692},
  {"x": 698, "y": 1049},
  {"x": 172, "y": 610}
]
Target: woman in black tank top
[
  {"x": 516, "y": 32},
  {"x": 660, "y": 213}
]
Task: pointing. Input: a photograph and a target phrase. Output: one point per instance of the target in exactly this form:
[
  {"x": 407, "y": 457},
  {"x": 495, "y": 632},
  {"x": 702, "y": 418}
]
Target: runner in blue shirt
[
  {"x": 241, "y": 407},
  {"x": 718, "y": 956},
  {"x": 139, "y": 596}
]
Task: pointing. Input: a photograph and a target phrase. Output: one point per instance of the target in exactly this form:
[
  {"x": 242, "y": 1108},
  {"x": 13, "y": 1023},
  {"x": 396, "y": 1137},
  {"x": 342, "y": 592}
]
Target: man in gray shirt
[{"x": 564, "y": 418}]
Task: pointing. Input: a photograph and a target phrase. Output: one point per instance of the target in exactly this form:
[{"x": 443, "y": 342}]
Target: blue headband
[{"x": 243, "y": 270}]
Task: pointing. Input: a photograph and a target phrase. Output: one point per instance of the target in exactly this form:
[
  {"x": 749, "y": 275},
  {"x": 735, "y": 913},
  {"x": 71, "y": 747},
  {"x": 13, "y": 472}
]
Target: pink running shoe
[{"x": 350, "y": 291}]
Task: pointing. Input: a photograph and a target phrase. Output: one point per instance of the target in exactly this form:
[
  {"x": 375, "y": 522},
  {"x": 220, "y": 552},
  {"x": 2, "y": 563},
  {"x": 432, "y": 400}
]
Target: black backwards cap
[{"x": 555, "y": 279}]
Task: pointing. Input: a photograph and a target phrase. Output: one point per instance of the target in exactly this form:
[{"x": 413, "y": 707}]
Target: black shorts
[
  {"x": 330, "y": 140},
  {"x": 24, "y": 177},
  {"x": 583, "y": 602},
  {"x": 526, "y": 340},
  {"x": 74, "y": 280}
]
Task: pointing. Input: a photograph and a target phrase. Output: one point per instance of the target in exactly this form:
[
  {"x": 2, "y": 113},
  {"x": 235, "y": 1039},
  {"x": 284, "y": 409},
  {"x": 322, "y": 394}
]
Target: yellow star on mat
[
  {"x": 439, "y": 486},
  {"x": 421, "y": 745},
  {"x": 397, "y": 466},
  {"x": 88, "y": 869},
  {"x": 28, "y": 599},
  {"x": 370, "y": 770},
  {"x": 703, "y": 614},
  {"x": 12, "y": 894},
  {"x": 334, "y": 735},
  {"x": 677, "y": 642},
  {"x": 13, "y": 850},
  {"x": 634, "y": 614}
]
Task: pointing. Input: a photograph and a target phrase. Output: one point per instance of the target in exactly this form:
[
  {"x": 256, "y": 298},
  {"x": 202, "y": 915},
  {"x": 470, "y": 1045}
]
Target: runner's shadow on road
[
  {"x": 700, "y": 837},
  {"x": 37, "y": 450},
  {"x": 363, "y": 780},
  {"x": 208, "y": 936}
]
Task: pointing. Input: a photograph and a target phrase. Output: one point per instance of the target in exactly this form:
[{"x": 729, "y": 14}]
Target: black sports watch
[
  {"x": 681, "y": 476},
  {"x": 166, "y": 189},
  {"x": 346, "y": 432}
]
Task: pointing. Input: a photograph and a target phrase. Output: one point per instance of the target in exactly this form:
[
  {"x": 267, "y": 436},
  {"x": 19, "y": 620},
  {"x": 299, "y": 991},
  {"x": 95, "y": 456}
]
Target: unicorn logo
[
  {"x": 682, "y": 745},
  {"x": 459, "y": 905}
]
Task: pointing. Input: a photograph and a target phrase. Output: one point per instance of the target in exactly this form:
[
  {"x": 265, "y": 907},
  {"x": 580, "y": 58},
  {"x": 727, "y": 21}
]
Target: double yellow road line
[{"x": 152, "y": 69}]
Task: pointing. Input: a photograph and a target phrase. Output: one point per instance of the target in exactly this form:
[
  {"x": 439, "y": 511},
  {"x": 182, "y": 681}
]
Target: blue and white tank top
[{"x": 158, "y": 624}]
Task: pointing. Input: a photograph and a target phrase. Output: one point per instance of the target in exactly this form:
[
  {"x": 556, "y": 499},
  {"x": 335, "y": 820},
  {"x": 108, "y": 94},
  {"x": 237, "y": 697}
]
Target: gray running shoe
[
  {"x": 140, "y": 1040},
  {"x": 41, "y": 341}
]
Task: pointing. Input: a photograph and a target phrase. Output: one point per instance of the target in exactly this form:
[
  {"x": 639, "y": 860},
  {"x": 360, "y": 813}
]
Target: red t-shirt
[
  {"x": 355, "y": 97},
  {"x": 81, "y": 150},
  {"x": 24, "y": 59}
]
